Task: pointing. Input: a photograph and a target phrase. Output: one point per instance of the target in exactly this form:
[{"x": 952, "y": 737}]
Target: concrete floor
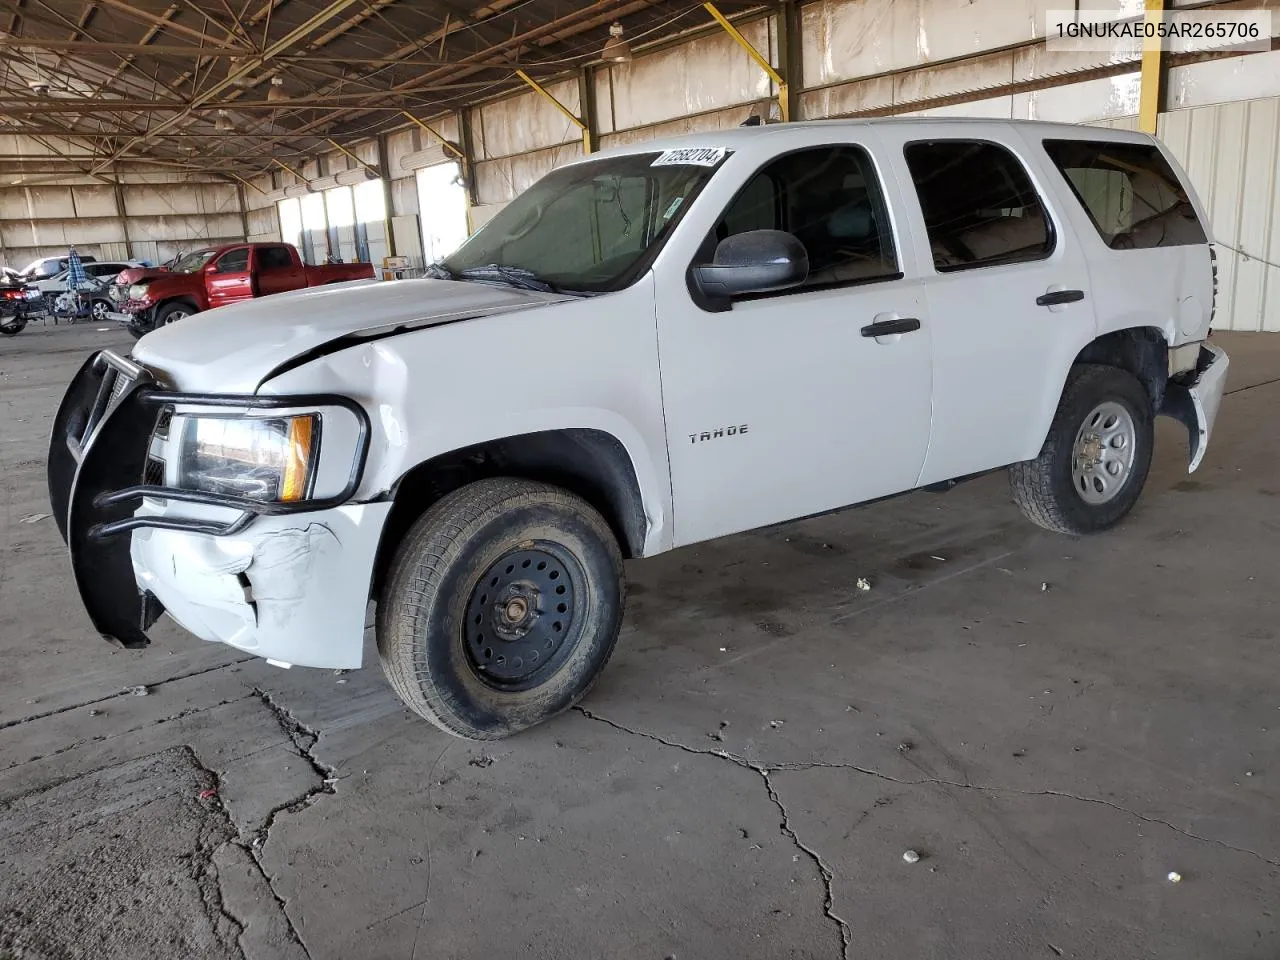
[{"x": 744, "y": 780}]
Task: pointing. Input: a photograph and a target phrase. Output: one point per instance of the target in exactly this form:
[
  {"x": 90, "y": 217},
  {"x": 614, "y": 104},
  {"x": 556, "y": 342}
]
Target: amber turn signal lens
[{"x": 297, "y": 465}]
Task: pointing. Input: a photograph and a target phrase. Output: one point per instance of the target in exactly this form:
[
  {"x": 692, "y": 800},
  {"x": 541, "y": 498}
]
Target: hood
[
  {"x": 138, "y": 274},
  {"x": 233, "y": 349}
]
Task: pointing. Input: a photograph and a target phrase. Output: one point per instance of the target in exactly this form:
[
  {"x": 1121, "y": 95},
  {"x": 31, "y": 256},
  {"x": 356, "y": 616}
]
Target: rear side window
[
  {"x": 829, "y": 198},
  {"x": 274, "y": 258},
  {"x": 1130, "y": 192},
  {"x": 980, "y": 207}
]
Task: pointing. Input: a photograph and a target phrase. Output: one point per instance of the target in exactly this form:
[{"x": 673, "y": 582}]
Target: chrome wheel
[
  {"x": 98, "y": 310},
  {"x": 175, "y": 316},
  {"x": 1102, "y": 458}
]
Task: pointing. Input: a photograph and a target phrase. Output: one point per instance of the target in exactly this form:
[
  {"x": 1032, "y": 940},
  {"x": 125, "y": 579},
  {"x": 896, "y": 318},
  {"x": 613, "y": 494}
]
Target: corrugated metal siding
[{"x": 1232, "y": 153}]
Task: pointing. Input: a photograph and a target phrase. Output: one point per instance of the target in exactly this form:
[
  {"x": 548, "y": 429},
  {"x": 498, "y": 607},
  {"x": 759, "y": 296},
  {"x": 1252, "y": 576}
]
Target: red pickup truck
[{"x": 146, "y": 298}]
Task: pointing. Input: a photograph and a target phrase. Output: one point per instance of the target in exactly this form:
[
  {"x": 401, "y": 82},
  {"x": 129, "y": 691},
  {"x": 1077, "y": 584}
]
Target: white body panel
[{"x": 833, "y": 417}]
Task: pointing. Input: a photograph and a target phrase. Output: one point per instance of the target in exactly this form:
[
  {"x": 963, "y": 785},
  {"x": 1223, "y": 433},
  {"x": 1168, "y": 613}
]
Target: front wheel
[
  {"x": 502, "y": 606},
  {"x": 172, "y": 313},
  {"x": 99, "y": 309},
  {"x": 1094, "y": 462}
]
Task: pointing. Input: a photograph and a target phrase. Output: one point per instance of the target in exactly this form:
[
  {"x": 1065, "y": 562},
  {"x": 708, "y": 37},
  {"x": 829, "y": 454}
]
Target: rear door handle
[
  {"x": 1055, "y": 297},
  {"x": 885, "y": 328}
]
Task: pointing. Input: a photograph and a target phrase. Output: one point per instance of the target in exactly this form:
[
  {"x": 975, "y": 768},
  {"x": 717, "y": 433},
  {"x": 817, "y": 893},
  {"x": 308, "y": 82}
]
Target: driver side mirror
[{"x": 757, "y": 261}]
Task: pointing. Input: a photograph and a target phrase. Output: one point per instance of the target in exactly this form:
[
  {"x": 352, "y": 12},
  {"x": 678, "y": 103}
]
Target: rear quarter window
[
  {"x": 1130, "y": 192},
  {"x": 274, "y": 258}
]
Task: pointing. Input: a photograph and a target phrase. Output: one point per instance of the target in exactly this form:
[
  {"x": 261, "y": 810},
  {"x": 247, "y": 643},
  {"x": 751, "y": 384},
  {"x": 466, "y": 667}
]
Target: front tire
[
  {"x": 13, "y": 326},
  {"x": 501, "y": 607},
  {"x": 1095, "y": 460},
  {"x": 98, "y": 310},
  {"x": 172, "y": 313}
]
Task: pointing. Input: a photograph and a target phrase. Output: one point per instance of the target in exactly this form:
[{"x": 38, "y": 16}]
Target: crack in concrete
[
  {"x": 5, "y": 725},
  {"x": 825, "y": 873},
  {"x": 251, "y": 850},
  {"x": 767, "y": 770}
]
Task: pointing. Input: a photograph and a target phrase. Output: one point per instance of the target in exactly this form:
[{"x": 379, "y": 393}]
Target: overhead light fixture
[
  {"x": 223, "y": 124},
  {"x": 616, "y": 50},
  {"x": 276, "y": 93}
]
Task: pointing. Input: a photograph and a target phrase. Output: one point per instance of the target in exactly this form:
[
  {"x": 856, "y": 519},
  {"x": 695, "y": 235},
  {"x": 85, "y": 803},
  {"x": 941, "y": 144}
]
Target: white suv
[{"x": 650, "y": 347}]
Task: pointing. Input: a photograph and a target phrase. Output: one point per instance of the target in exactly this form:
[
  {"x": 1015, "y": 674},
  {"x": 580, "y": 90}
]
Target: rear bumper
[
  {"x": 1193, "y": 399},
  {"x": 285, "y": 581}
]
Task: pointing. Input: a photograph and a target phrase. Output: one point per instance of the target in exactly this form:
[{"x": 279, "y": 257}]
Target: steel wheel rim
[
  {"x": 175, "y": 317},
  {"x": 1103, "y": 453},
  {"x": 522, "y": 616}
]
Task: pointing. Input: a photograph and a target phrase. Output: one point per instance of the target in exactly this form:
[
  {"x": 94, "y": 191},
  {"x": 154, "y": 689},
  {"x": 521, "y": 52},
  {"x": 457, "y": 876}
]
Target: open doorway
[{"x": 442, "y": 203}]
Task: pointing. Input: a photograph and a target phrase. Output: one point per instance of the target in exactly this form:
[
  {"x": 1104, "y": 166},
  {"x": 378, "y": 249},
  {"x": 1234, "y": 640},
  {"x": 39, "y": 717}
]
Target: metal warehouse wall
[
  {"x": 848, "y": 58},
  {"x": 155, "y": 216}
]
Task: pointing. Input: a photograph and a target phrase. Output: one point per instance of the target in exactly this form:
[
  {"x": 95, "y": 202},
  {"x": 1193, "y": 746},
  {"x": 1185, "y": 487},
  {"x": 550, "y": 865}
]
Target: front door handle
[
  {"x": 1056, "y": 297},
  {"x": 885, "y": 328}
]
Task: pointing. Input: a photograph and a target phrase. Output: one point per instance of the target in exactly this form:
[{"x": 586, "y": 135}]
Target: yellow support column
[
  {"x": 1152, "y": 71},
  {"x": 784, "y": 99},
  {"x": 577, "y": 121}
]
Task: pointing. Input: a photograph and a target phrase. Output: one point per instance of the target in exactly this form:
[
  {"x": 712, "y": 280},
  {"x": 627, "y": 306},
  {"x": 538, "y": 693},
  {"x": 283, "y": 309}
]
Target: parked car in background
[
  {"x": 96, "y": 270},
  {"x": 18, "y": 305},
  {"x": 217, "y": 276},
  {"x": 649, "y": 348},
  {"x": 47, "y": 267}
]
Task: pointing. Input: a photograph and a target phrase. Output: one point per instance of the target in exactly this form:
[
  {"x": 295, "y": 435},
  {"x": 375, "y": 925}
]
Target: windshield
[
  {"x": 193, "y": 262},
  {"x": 589, "y": 227}
]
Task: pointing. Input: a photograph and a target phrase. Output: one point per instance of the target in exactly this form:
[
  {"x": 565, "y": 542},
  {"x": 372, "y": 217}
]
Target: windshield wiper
[{"x": 514, "y": 276}]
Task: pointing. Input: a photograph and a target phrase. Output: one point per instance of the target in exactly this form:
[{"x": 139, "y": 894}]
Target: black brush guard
[{"x": 97, "y": 457}]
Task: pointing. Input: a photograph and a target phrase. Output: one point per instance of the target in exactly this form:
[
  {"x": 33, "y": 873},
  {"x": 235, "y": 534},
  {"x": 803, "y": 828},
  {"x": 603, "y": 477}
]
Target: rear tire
[
  {"x": 1095, "y": 460},
  {"x": 501, "y": 607},
  {"x": 13, "y": 326}
]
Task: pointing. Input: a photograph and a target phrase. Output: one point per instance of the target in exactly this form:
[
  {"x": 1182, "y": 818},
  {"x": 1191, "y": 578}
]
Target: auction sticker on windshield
[{"x": 690, "y": 156}]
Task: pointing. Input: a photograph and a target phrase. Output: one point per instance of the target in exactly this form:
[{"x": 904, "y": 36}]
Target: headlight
[
  {"x": 262, "y": 459},
  {"x": 137, "y": 291}
]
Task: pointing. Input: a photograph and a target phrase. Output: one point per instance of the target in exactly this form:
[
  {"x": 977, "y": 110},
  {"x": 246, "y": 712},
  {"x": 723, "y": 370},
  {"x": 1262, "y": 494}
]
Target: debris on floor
[
  {"x": 208, "y": 794},
  {"x": 35, "y": 517},
  {"x": 863, "y": 584},
  {"x": 1175, "y": 876},
  {"x": 911, "y": 856},
  {"x": 1044, "y": 587},
  {"x": 139, "y": 691},
  {"x": 776, "y": 723},
  {"x": 481, "y": 761}
]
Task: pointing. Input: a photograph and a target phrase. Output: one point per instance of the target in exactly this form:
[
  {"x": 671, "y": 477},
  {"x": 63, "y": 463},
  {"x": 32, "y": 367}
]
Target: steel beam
[
  {"x": 1151, "y": 97},
  {"x": 577, "y": 121},
  {"x": 436, "y": 133},
  {"x": 105, "y": 46},
  {"x": 343, "y": 150},
  {"x": 328, "y": 12},
  {"x": 784, "y": 94}
]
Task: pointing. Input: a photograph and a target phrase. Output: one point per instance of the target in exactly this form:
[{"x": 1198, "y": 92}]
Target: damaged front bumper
[
  {"x": 289, "y": 582},
  {"x": 1193, "y": 398}
]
